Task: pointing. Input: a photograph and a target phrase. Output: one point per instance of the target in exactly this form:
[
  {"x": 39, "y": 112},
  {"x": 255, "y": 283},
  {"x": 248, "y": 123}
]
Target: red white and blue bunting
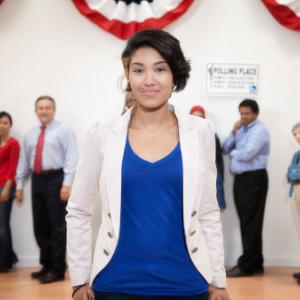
[
  {"x": 125, "y": 17},
  {"x": 286, "y": 12}
]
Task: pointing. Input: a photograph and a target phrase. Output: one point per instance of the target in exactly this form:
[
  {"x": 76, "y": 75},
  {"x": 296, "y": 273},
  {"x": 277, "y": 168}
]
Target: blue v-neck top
[{"x": 151, "y": 258}]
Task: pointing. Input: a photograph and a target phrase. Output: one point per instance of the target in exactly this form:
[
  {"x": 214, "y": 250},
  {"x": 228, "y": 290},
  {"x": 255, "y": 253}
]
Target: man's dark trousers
[
  {"x": 49, "y": 220},
  {"x": 250, "y": 193}
]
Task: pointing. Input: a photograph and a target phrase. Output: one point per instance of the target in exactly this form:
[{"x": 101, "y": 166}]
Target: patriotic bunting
[
  {"x": 125, "y": 17},
  {"x": 286, "y": 12}
]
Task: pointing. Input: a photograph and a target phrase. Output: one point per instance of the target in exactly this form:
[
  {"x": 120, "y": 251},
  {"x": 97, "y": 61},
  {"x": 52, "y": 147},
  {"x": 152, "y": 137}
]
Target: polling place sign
[{"x": 231, "y": 79}]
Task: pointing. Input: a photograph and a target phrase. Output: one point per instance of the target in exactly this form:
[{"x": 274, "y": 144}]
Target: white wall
[{"x": 47, "y": 47}]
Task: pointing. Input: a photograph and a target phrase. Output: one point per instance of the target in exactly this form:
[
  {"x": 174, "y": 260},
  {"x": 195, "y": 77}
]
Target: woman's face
[
  {"x": 296, "y": 134},
  {"x": 4, "y": 126},
  {"x": 150, "y": 78}
]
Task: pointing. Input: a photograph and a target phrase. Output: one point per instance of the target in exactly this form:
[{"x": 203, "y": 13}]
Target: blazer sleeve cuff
[
  {"x": 80, "y": 276},
  {"x": 219, "y": 281}
]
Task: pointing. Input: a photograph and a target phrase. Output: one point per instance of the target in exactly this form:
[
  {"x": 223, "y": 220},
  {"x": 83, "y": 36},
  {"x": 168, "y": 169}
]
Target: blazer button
[
  {"x": 109, "y": 215},
  {"x": 110, "y": 234},
  {"x": 106, "y": 252},
  {"x": 194, "y": 213},
  {"x": 194, "y": 250},
  {"x": 193, "y": 232}
]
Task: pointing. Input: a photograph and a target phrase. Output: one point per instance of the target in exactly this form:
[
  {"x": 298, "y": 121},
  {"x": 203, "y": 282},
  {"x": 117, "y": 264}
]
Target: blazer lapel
[
  {"x": 189, "y": 143},
  {"x": 114, "y": 152}
]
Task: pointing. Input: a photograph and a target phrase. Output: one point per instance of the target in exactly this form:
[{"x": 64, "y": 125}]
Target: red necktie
[{"x": 38, "y": 163}]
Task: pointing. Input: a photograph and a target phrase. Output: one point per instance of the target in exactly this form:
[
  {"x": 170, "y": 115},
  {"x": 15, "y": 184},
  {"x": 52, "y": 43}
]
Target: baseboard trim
[
  {"x": 272, "y": 262},
  {"x": 28, "y": 261},
  {"x": 32, "y": 261}
]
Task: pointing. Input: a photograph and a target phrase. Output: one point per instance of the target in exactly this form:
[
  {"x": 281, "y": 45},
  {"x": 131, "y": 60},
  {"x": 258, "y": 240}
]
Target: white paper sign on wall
[{"x": 231, "y": 79}]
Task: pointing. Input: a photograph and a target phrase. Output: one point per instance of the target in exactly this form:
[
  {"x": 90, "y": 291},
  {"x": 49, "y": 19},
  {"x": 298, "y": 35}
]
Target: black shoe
[
  {"x": 259, "y": 271},
  {"x": 296, "y": 275},
  {"x": 237, "y": 272},
  {"x": 40, "y": 273},
  {"x": 51, "y": 277},
  {"x": 5, "y": 270}
]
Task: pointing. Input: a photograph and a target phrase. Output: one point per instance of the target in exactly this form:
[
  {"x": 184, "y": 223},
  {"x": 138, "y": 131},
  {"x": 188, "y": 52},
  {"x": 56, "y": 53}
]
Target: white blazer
[{"x": 95, "y": 202}]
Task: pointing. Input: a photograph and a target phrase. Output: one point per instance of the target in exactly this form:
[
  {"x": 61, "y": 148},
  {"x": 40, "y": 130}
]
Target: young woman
[
  {"x": 160, "y": 235},
  {"x": 9, "y": 156}
]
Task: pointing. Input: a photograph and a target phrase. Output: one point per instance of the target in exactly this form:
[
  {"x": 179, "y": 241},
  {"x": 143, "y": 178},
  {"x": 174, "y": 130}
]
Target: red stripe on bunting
[
  {"x": 283, "y": 14},
  {"x": 126, "y": 30}
]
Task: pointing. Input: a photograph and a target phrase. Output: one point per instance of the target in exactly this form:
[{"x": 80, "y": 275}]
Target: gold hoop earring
[{"x": 124, "y": 86}]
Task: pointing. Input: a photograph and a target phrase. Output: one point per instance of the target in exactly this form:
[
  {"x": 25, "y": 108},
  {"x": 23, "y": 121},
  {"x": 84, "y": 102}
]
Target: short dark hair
[
  {"x": 167, "y": 46},
  {"x": 45, "y": 97},
  {"x": 250, "y": 103},
  {"x": 4, "y": 114}
]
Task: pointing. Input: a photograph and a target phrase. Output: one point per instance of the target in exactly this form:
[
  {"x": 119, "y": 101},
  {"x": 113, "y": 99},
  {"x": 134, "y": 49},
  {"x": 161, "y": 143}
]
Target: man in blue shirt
[
  {"x": 248, "y": 147},
  {"x": 49, "y": 155}
]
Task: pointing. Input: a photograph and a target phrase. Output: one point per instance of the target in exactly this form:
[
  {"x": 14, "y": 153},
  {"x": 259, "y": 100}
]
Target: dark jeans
[
  {"x": 7, "y": 254},
  {"x": 49, "y": 220},
  {"x": 114, "y": 296},
  {"x": 250, "y": 193}
]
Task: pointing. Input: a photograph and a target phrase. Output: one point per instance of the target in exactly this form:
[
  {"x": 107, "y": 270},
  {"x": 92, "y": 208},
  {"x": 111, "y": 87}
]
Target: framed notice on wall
[{"x": 231, "y": 79}]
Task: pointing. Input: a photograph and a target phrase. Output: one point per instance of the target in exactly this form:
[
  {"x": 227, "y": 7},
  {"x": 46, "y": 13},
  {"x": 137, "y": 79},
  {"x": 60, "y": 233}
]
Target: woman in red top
[{"x": 9, "y": 156}]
